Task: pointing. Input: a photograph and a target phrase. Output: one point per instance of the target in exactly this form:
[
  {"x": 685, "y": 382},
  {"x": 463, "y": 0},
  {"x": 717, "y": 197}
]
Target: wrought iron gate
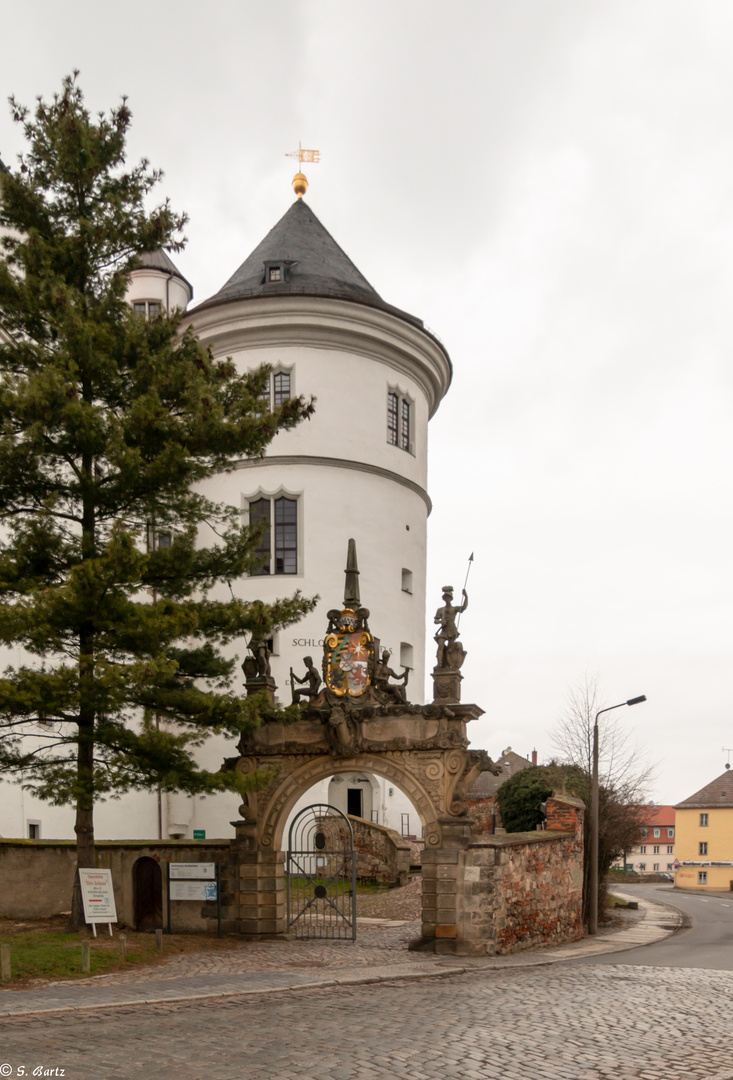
[{"x": 321, "y": 874}]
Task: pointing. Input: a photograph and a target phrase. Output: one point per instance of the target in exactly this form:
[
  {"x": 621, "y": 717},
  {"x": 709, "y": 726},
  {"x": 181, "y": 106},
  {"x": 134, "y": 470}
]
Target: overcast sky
[{"x": 549, "y": 186}]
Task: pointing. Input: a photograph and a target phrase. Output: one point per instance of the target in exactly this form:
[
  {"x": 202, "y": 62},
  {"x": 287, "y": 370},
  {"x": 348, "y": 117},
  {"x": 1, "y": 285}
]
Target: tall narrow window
[
  {"x": 259, "y": 512},
  {"x": 286, "y": 536},
  {"x": 399, "y": 420},
  {"x": 281, "y": 387},
  {"x": 277, "y": 547},
  {"x": 703, "y": 848},
  {"x": 392, "y": 410},
  {"x": 405, "y": 425},
  {"x": 703, "y": 820},
  {"x": 277, "y": 389}
]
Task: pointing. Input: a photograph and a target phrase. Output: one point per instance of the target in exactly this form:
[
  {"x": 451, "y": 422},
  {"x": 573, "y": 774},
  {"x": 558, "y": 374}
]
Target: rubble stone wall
[
  {"x": 381, "y": 854},
  {"x": 524, "y": 889}
]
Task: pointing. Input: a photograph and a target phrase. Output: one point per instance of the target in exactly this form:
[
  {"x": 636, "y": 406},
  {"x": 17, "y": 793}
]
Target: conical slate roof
[
  {"x": 718, "y": 793},
  {"x": 310, "y": 263},
  {"x": 158, "y": 260}
]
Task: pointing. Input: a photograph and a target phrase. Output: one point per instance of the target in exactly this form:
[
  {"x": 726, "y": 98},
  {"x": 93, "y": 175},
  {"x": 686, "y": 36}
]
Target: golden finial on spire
[{"x": 300, "y": 184}]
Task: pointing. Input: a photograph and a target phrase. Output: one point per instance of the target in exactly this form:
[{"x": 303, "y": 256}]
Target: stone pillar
[
  {"x": 446, "y": 686},
  {"x": 259, "y": 885},
  {"x": 444, "y": 889}
]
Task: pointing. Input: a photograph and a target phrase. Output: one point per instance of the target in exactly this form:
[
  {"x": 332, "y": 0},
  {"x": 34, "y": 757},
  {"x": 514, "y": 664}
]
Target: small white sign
[
  {"x": 193, "y": 890},
  {"x": 192, "y": 870},
  {"x": 98, "y": 896}
]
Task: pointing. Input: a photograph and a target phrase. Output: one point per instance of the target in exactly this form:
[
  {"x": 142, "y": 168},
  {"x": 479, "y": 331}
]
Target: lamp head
[{"x": 636, "y": 700}]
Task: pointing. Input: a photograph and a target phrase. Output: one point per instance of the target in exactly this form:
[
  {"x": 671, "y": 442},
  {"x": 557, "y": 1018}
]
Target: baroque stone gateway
[{"x": 357, "y": 717}]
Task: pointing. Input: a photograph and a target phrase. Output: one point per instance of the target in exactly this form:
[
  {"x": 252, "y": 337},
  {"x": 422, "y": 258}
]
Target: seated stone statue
[
  {"x": 383, "y": 673},
  {"x": 311, "y": 677}
]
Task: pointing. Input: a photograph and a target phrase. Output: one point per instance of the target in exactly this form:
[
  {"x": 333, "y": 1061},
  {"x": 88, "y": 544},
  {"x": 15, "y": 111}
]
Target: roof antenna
[
  {"x": 727, "y": 750},
  {"x": 300, "y": 183}
]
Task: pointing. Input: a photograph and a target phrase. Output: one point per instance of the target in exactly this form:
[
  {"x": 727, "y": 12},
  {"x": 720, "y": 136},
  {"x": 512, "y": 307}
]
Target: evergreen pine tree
[{"x": 108, "y": 424}]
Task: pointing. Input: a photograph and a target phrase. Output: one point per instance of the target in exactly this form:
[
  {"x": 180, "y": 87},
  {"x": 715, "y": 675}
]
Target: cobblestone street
[{"x": 559, "y": 1022}]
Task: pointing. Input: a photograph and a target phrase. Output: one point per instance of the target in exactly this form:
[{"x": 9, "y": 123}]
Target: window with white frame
[
  {"x": 703, "y": 847},
  {"x": 277, "y": 545},
  {"x": 670, "y": 866},
  {"x": 657, "y": 834},
  {"x": 642, "y": 867},
  {"x": 670, "y": 833},
  {"x": 656, "y": 866},
  {"x": 147, "y": 309},
  {"x": 670, "y": 849},
  {"x": 655, "y": 849},
  {"x": 399, "y": 419},
  {"x": 703, "y": 820},
  {"x": 702, "y": 877},
  {"x": 642, "y": 849}
]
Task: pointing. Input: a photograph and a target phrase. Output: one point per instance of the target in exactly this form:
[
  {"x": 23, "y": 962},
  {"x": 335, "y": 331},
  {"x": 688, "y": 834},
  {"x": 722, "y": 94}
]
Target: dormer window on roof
[{"x": 277, "y": 271}]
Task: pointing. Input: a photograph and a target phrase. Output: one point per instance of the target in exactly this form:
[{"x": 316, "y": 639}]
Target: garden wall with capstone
[{"x": 38, "y": 876}]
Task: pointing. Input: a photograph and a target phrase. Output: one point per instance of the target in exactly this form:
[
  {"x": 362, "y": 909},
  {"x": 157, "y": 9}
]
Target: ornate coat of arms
[{"x": 348, "y": 654}]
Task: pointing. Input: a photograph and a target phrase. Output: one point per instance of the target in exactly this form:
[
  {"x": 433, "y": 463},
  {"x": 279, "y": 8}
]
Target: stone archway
[
  {"x": 358, "y": 718},
  {"x": 423, "y": 750}
]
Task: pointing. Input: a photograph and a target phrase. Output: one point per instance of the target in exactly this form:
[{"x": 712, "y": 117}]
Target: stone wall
[
  {"x": 524, "y": 889},
  {"x": 381, "y": 854},
  {"x": 38, "y": 876}
]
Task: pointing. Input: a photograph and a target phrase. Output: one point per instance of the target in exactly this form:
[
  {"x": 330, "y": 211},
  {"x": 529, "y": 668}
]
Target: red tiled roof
[{"x": 657, "y": 815}]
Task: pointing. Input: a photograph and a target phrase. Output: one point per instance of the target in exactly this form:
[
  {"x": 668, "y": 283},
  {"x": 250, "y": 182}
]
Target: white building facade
[{"x": 357, "y": 468}]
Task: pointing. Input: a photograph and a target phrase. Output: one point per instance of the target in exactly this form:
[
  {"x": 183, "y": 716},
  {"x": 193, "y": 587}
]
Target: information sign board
[
  {"x": 192, "y": 870},
  {"x": 193, "y": 890},
  {"x": 98, "y": 897},
  {"x": 194, "y": 881}
]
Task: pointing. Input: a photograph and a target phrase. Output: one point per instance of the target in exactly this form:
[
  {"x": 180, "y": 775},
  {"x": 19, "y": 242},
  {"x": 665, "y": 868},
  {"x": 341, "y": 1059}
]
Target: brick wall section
[
  {"x": 565, "y": 813},
  {"x": 380, "y": 852},
  {"x": 480, "y": 812}
]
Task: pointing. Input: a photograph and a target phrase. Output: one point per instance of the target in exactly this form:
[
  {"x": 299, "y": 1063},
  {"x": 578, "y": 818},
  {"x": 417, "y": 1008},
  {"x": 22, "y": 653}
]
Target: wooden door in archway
[{"x": 147, "y": 892}]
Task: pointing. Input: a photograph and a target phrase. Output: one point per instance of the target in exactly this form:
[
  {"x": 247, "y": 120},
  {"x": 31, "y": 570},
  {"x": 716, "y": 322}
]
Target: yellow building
[{"x": 704, "y": 837}]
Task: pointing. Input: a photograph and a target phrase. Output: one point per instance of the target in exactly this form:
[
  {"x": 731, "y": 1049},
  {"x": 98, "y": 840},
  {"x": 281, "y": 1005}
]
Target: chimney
[{"x": 534, "y": 757}]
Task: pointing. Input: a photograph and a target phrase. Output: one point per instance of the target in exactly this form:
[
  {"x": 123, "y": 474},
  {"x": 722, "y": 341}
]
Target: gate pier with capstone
[{"x": 358, "y": 718}]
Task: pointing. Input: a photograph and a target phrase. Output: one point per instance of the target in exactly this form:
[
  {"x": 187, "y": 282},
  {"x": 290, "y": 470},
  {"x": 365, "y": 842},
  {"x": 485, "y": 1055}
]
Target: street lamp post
[{"x": 593, "y": 873}]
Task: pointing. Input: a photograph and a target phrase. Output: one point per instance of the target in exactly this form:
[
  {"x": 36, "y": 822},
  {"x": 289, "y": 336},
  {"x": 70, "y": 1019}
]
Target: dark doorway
[
  {"x": 354, "y": 801},
  {"x": 147, "y": 892}
]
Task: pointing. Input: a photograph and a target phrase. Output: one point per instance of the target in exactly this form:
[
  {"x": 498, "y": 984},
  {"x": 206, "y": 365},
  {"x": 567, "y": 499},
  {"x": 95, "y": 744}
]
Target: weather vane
[{"x": 300, "y": 184}]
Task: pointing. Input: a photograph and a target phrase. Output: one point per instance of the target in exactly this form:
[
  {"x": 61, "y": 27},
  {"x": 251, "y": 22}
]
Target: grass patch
[{"x": 45, "y": 951}]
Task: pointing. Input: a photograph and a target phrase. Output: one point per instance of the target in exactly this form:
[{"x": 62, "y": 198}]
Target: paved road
[
  {"x": 705, "y": 942},
  {"x": 505, "y": 1019},
  {"x": 561, "y": 1022}
]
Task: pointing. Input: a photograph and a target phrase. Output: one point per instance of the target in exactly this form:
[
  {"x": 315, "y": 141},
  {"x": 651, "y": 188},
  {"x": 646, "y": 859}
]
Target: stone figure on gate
[
  {"x": 450, "y": 651},
  {"x": 383, "y": 673},
  {"x": 311, "y": 677}
]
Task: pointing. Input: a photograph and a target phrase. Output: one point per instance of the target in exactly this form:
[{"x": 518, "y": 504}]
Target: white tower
[{"x": 358, "y": 468}]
